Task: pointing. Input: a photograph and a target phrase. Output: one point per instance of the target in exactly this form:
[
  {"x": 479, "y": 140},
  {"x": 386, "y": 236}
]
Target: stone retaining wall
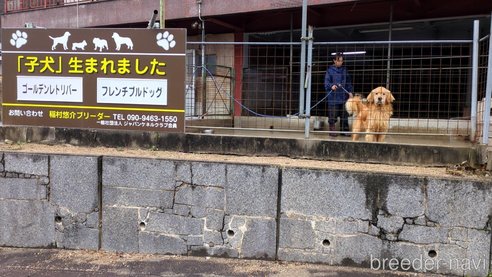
[{"x": 246, "y": 211}]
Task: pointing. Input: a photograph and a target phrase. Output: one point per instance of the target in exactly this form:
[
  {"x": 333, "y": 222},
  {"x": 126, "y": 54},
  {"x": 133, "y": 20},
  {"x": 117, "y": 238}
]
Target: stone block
[
  {"x": 478, "y": 253},
  {"x": 235, "y": 222},
  {"x": 252, "y": 190},
  {"x": 213, "y": 238},
  {"x": 403, "y": 250},
  {"x": 259, "y": 241},
  {"x": 351, "y": 226},
  {"x": 223, "y": 251},
  {"x": 299, "y": 255},
  {"x": 423, "y": 234},
  {"x": 22, "y": 189},
  {"x": 390, "y": 224},
  {"x": 120, "y": 229},
  {"x": 174, "y": 224},
  {"x": 27, "y": 223},
  {"x": 341, "y": 226},
  {"x": 92, "y": 220},
  {"x": 472, "y": 200},
  {"x": 296, "y": 234},
  {"x": 405, "y": 197},
  {"x": 183, "y": 172},
  {"x": 200, "y": 196},
  {"x": 194, "y": 240},
  {"x": 209, "y": 197},
  {"x": 214, "y": 220},
  {"x": 449, "y": 260},
  {"x": 356, "y": 248},
  {"x": 35, "y": 164},
  {"x": 198, "y": 212},
  {"x": 182, "y": 210},
  {"x": 324, "y": 193},
  {"x": 138, "y": 173},
  {"x": 234, "y": 228},
  {"x": 129, "y": 197},
  {"x": 208, "y": 174},
  {"x": 184, "y": 195},
  {"x": 79, "y": 237},
  {"x": 328, "y": 225},
  {"x": 161, "y": 244},
  {"x": 74, "y": 182}
]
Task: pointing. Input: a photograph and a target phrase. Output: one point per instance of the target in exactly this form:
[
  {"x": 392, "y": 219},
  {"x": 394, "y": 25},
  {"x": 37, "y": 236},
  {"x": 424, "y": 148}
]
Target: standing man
[{"x": 339, "y": 89}]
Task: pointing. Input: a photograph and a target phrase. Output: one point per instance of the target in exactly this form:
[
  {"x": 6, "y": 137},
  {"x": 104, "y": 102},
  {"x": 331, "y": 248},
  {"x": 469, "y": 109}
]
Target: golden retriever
[{"x": 372, "y": 117}]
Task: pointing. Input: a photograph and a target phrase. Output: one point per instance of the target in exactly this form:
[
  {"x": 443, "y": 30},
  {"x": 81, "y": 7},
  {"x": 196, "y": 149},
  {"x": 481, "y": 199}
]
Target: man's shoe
[{"x": 332, "y": 130}]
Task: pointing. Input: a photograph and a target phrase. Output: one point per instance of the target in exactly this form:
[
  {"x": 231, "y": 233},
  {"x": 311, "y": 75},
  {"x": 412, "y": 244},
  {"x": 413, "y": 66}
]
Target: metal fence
[
  {"x": 484, "y": 45},
  {"x": 431, "y": 81}
]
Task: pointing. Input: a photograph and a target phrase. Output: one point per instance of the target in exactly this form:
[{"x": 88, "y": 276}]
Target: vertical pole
[
  {"x": 238, "y": 73},
  {"x": 388, "y": 65},
  {"x": 303, "y": 57},
  {"x": 486, "y": 113},
  {"x": 473, "y": 116},
  {"x": 204, "y": 72},
  {"x": 203, "y": 89},
  {"x": 291, "y": 55},
  {"x": 162, "y": 15},
  {"x": 308, "y": 83}
]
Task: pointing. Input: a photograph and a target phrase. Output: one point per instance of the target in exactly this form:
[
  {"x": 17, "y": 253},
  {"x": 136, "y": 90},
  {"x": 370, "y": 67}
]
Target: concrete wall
[{"x": 246, "y": 211}]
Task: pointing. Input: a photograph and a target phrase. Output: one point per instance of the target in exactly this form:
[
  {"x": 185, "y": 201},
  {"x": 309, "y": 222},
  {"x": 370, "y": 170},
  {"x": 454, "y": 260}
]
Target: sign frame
[{"x": 121, "y": 79}]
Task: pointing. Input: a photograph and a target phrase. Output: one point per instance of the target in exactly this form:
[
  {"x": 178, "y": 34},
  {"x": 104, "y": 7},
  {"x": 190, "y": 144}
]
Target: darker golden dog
[{"x": 372, "y": 117}]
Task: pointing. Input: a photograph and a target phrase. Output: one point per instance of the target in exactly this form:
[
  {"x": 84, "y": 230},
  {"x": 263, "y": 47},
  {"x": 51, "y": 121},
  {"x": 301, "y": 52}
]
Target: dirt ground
[
  {"x": 460, "y": 171},
  {"x": 15, "y": 262}
]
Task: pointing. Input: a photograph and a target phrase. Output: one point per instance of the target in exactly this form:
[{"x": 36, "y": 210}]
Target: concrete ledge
[{"x": 402, "y": 154}]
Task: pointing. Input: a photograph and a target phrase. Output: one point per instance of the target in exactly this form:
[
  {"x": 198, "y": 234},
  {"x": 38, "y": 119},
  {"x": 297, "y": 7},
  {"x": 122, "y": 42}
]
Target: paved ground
[{"x": 17, "y": 262}]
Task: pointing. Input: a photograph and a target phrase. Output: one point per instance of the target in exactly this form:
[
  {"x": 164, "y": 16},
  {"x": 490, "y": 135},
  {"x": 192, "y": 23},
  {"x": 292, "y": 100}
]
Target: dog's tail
[
  {"x": 353, "y": 105},
  {"x": 51, "y": 37}
]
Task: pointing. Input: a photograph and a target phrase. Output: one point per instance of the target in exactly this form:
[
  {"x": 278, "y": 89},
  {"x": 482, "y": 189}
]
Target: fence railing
[{"x": 431, "y": 81}]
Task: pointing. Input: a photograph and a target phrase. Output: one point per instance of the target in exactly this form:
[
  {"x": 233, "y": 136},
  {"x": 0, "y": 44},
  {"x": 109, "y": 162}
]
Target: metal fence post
[
  {"x": 303, "y": 57},
  {"x": 474, "y": 97},
  {"x": 308, "y": 83},
  {"x": 488, "y": 92}
]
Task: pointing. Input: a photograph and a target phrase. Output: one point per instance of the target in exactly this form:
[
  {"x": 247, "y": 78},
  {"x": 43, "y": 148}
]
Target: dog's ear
[
  {"x": 390, "y": 98},
  {"x": 370, "y": 97}
]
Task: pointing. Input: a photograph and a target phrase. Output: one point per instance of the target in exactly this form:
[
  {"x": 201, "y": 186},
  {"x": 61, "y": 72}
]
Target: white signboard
[
  {"x": 132, "y": 91},
  {"x": 49, "y": 89}
]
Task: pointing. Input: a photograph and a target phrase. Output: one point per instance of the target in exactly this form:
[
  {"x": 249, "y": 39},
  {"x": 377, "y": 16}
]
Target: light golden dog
[{"x": 373, "y": 116}]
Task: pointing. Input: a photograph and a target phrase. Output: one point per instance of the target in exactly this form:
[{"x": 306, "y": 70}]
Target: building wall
[
  {"x": 94, "y": 14},
  {"x": 246, "y": 211}
]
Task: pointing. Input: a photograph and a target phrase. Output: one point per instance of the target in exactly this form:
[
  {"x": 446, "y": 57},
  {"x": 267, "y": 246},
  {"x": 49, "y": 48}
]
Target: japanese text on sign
[
  {"x": 132, "y": 91},
  {"x": 39, "y": 88},
  {"x": 76, "y": 65}
]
